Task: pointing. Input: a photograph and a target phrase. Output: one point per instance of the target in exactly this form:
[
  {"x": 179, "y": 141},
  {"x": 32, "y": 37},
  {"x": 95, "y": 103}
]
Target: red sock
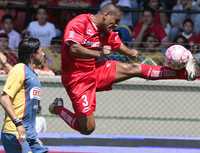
[
  {"x": 161, "y": 72},
  {"x": 68, "y": 117}
]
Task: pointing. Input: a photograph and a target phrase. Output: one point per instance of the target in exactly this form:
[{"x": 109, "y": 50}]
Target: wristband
[{"x": 17, "y": 122}]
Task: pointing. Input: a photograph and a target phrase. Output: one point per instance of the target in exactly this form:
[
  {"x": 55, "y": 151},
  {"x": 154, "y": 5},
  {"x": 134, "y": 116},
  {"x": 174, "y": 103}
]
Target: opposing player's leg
[{"x": 12, "y": 145}]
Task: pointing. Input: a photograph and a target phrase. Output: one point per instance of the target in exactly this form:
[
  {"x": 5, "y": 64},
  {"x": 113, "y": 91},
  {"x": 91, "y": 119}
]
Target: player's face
[
  {"x": 39, "y": 56},
  {"x": 111, "y": 21}
]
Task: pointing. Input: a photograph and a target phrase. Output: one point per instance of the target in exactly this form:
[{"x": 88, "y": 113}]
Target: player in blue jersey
[{"x": 20, "y": 98}]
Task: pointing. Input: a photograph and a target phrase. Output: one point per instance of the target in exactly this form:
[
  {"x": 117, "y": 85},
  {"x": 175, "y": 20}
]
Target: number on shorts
[{"x": 85, "y": 103}]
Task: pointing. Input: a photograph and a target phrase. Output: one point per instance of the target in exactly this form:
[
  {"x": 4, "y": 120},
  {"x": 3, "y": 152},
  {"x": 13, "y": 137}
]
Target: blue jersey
[{"x": 23, "y": 87}]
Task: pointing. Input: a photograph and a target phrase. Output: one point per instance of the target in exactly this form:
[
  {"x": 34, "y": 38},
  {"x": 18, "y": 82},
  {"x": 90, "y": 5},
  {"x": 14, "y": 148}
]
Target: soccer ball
[{"x": 177, "y": 56}]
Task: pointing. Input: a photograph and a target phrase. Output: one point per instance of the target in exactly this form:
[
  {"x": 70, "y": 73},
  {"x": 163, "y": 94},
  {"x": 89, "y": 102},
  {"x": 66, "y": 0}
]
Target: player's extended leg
[{"x": 125, "y": 71}]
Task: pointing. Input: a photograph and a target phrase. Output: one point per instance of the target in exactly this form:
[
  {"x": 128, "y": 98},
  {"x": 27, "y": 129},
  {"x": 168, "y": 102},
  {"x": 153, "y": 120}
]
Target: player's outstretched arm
[
  {"x": 6, "y": 103},
  {"x": 132, "y": 53},
  {"x": 78, "y": 50}
]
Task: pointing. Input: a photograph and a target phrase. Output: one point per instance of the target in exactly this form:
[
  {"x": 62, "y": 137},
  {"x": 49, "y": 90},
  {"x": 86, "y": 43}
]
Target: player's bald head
[{"x": 111, "y": 9}]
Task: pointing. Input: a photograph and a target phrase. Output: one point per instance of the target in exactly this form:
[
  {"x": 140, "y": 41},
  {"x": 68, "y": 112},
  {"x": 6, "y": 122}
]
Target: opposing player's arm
[
  {"x": 129, "y": 52},
  {"x": 11, "y": 88},
  {"x": 6, "y": 103},
  {"x": 78, "y": 50}
]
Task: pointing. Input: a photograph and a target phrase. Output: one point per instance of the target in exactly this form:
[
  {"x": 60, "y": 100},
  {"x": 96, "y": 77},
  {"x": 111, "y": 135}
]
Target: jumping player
[
  {"x": 86, "y": 38},
  {"x": 20, "y": 99}
]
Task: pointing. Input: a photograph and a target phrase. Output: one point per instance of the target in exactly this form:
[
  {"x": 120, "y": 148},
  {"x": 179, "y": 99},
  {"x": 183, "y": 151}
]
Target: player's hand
[
  {"x": 21, "y": 132},
  {"x": 191, "y": 69},
  {"x": 134, "y": 54}
]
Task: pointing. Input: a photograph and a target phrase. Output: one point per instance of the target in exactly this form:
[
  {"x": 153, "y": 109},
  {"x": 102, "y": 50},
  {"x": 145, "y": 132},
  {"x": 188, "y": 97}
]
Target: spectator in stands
[
  {"x": 194, "y": 48},
  {"x": 7, "y": 57},
  {"x": 157, "y": 7},
  {"x": 18, "y": 14},
  {"x": 40, "y": 122},
  {"x": 8, "y": 28},
  {"x": 5, "y": 67},
  {"x": 181, "y": 40},
  {"x": 192, "y": 38},
  {"x": 160, "y": 16},
  {"x": 151, "y": 50},
  {"x": 42, "y": 29},
  {"x": 147, "y": 26},
  {"x": 127, "y": 16},
  {"x": 150, "y": 43},
  {"x": 178, "y": 18},
  {"x": 53, "y": 55},
  {"x": 188, "y": 32}
]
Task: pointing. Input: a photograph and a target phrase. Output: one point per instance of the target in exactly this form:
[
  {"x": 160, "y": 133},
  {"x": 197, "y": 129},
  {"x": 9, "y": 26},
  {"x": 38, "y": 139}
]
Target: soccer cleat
[
  {"x": 191, "y": 69},
  {"x": 58, "y": 102}
]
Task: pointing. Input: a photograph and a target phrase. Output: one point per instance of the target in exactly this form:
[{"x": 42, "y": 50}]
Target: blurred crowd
[{"x": 147, "y": 25}]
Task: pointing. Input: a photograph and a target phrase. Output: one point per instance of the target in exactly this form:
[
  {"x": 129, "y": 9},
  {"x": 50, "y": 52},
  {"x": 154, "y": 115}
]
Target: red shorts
[{"x": 82, "y": 92}]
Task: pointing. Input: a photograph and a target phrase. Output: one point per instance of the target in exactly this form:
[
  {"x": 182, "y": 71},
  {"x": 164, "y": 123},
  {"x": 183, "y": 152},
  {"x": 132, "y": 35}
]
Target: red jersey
[
  {"x": 194, "y": 38},
  {"x": 83, "y": 31},
  {"x": 156, "y": 29}
]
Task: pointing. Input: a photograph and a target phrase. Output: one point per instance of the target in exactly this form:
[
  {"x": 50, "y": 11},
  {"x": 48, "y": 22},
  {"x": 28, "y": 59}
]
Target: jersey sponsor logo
[
  {"x": 35, "y": 93},
  {"x": 91, "y": 44}
]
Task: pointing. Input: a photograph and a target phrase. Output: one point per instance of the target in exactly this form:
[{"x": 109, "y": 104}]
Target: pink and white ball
[{"x": 177, "y": 56}]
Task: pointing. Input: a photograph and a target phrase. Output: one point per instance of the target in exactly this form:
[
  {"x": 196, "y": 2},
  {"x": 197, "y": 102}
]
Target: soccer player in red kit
[{"x": 86, "y": 38}]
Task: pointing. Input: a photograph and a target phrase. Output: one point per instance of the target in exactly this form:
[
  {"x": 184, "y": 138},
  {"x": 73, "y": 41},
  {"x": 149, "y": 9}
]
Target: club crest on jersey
[{"x": 35, "y": 93}]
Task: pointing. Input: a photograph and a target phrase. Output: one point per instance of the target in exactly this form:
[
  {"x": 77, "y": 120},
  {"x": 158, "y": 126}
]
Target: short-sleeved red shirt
[
  {"x": 156, "y": 29},
  {"x": 194, "y": 38},
  {"x": 83, "y": 31}
]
